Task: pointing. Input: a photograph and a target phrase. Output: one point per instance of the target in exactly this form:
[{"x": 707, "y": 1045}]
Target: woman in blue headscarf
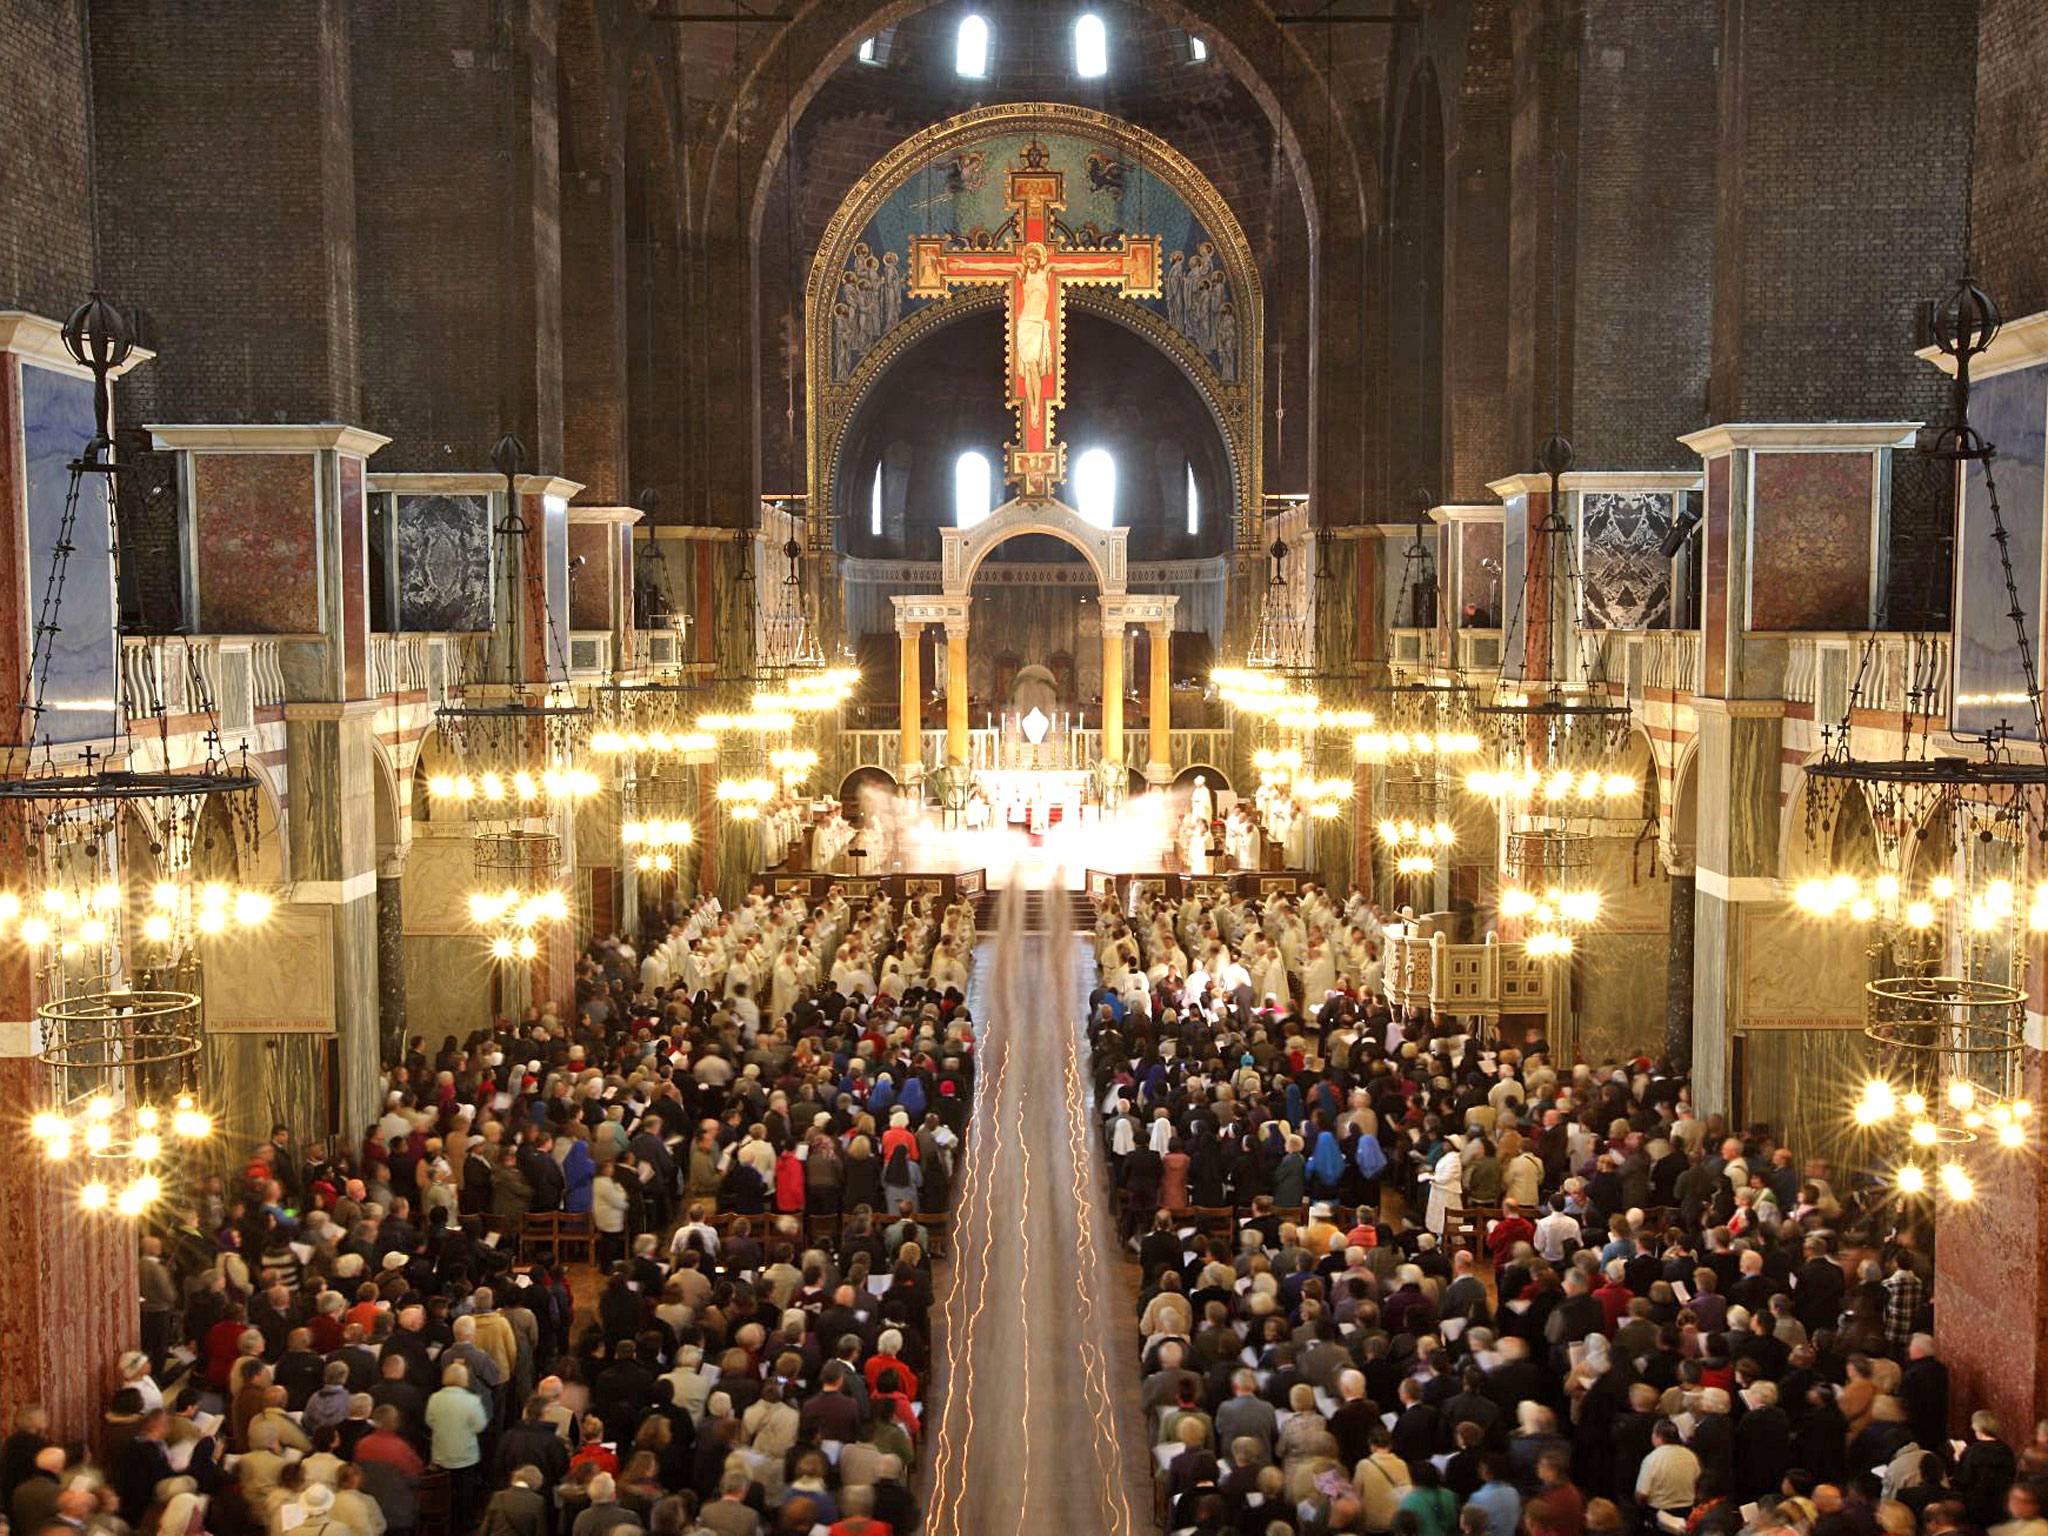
[
  {"x": 1325, "y": 1167},
  {"x": 1297, "y": 1112}
]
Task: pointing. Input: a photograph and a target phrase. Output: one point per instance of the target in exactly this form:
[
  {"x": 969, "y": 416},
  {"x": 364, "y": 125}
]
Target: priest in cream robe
[{"x": 1447, "y": 1185}]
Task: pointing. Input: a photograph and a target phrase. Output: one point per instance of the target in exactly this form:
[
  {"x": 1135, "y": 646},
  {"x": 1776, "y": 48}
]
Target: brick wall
[
  {"x": 1843, "y": 126},
  {"x": 1541, "y": 236},
  {"x": 226, "y": 204},
  {"x": 1645, "y": 237},
  {"x": 45, "y": 212},
  {"x": 2011, "y": 217}
]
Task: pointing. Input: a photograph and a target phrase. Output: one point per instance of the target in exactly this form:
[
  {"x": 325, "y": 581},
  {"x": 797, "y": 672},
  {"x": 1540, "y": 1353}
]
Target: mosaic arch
[{"x": 1119, "y": 180}]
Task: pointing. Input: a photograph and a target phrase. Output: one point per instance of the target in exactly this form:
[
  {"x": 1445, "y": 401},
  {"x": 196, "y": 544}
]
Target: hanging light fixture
[
  {"x": 113, "y": 924},
  {"x": 1951, "y": 923}
]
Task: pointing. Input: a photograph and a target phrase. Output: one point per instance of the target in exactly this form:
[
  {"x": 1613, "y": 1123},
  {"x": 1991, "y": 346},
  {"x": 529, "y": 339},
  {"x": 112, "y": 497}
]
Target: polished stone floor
[{"x": 1036, "y": 1424}]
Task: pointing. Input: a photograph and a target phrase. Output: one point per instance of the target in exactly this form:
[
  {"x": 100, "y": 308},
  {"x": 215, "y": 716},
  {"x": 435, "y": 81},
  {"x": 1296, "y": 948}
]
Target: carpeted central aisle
[{"x": 1037, "y": 1424}]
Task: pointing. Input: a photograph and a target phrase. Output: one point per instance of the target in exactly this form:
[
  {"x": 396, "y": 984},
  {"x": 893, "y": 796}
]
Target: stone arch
[
  {"x": 830, "y": 400},
  {"x": 1239, "y": 437},
  {"x": 1683, "y": 829},
  {"x": 1320, "y": 139},
  {"x": 962, "y": 550},
  {"x": 862, "y": 778},
  {"x": 1218, "y": 779},
  {"x": 389, "y": 818}
]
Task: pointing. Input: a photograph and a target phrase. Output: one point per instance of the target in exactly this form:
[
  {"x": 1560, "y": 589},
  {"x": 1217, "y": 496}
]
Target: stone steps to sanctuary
[{"x": 1038, "y": 910}]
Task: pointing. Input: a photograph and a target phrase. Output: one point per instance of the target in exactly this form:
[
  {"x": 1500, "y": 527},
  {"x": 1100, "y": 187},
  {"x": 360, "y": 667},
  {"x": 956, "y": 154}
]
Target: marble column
[
  {"x": 1159, "y": 768},
  {"x": 1112, "y": 688},
  {"x": 1678, "y": 976},
  {"x": 272, "y": 1007},
  {"x": 910, "y": 697},
  {"x": 956, "y": 692},
  {"x": 1794, "y": 517},
  {"x": 391, "y": 962}
]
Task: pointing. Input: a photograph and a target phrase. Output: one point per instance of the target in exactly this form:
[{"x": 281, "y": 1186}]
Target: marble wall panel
[
  {"x": 1627, "y": 581},
  {"x": 1811, "y": 527},
  {"x": 282, "y": 982},
  {"x": 78, "y": 688},
  {"x": 1714, "y": 580},
  {"x": 1514, "y": 582},
  {"x": 355, "y": 580},
  {"x": 444, "y": 562},
  {"x": 256, "y": 543},
  {"x": 1990, "y": 1283},
  {"x": 2012, "y": 413},
  {"x": 69, "y": 1280},
  {"x": 1713, "y": 921},
  {"x": 1480, "y": 579},
  {"x": 1794, "y": 1081},
  {"x": 555, "y": 545},
  {"x": 251, "y": 1082},
  {"x": 592, "y": 583},
  {"x": 391, "y": 1025}
]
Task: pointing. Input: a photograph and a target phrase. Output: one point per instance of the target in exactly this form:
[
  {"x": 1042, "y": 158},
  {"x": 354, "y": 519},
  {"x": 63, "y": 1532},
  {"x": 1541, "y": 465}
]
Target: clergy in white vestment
[{"x": 1447, "y": 1185}]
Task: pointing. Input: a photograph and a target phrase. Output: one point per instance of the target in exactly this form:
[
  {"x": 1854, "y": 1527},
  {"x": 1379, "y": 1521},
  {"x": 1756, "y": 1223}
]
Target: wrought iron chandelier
[{"x": 1950, "y": 915}]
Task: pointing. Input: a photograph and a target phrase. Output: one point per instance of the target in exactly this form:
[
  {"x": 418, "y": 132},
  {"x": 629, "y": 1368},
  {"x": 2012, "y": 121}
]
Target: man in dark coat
[
  {"x": 1924, "y": 1387},
  {"x": 1817, "y": 1288}
]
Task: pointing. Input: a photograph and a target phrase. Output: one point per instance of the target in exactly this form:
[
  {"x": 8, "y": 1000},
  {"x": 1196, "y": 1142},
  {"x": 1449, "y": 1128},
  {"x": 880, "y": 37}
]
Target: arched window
[
  {"x": 1095, "y": 487},
  {"x": 1091, "y": 47},
  {"x": 875, "y": 503},
  {"x": 970, "y": 488},
  {"x": 970, "y": 49},
  {"x": 1194, "y": 504}
]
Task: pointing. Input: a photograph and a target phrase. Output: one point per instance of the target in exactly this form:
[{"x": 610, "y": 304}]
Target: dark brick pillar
[
  {"x": 226, "y": 203},
  {"x": 460, "y": 202},
  {"x": 1644, "y": 236},
  {"x": 1839, "y": 209}
]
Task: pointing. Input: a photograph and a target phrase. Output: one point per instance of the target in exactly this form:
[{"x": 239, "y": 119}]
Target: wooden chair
[
  {"x": 1213, "y": 1220},
  {"x": 434, "y": 1502},
  {"x": 560, "y": 1235},
  {"x": 821, "y": 1228},
  {"x": 938, "y": 1233},
  {"x": 1466, "y": 1228}
]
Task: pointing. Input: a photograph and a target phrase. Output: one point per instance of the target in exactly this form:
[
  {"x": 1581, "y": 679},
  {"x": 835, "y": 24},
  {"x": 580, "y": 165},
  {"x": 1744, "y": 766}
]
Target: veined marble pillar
[
  {"x": 910, "y": 694},
  {"x": 956, "y": 692},
  {"x": 1678, "y": 977},
  {"x": 311, "y": 985},
  {"x": 1794, "y": 531},
  {"x": 1112, "y": 686},
  {"x": 1159, "y": 770}
]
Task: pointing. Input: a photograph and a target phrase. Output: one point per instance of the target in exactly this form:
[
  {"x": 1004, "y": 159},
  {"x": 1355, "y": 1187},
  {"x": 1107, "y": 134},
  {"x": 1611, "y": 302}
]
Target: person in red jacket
[
  {"x": 789, "y": 1183},
  {"x": 887, "y": 1348},
  {"x": 1512, "y": 1228}
]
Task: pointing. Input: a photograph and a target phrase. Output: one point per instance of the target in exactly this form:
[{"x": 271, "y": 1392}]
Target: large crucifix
[{"x": 1035, "y": 263}]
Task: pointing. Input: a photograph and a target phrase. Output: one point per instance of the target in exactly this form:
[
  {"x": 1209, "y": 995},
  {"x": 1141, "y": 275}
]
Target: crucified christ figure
[{"x": 1033, "y": 341}]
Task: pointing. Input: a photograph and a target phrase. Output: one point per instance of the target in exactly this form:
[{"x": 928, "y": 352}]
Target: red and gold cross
[{"x": 1035, "y": 263}]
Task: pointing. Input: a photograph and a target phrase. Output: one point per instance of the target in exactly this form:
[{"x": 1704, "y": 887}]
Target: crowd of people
[
  {"x": 1391, "y": 1278},
  {"x": 1400, "y": 1280},
  {"x": 758, "y": 1124}
]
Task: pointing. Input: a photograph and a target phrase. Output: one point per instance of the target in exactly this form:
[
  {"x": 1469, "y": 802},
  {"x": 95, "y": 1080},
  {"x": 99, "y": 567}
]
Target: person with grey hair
[
  {"x": 456, "y": 1418},
  {"x": 1245, "y": 1415},
  {"x": 604, "y": 1514}
]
